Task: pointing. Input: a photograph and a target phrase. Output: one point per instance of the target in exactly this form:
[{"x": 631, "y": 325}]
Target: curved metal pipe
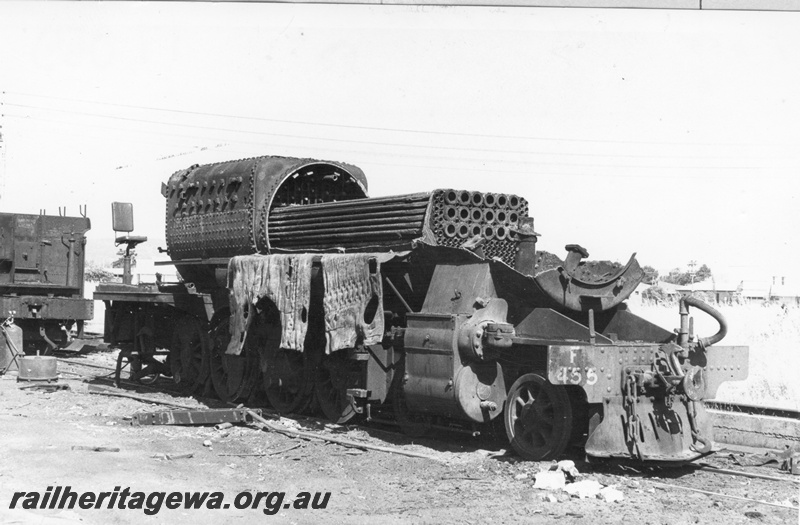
[{"x": 723, "y": 324}]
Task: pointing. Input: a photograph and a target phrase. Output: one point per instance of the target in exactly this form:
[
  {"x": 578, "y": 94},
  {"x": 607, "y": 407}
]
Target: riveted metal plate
[
  {"x": 194, "y": 417},
  {"x": 597, "y": 369}
]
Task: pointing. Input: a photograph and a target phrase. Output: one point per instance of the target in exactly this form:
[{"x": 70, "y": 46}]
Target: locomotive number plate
[
  {"x": 571, "y": 365},
  {"x": 575, "y": 375}
]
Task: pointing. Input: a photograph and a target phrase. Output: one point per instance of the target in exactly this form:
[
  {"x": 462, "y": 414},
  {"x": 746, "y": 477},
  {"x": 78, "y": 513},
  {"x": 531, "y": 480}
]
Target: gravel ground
[{"x": 459, "y": 481}]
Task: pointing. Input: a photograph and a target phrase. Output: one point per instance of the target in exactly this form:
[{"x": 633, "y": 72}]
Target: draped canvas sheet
[
  {"x": 285, "y": 280},
  {"x": 352, "y": 292}
]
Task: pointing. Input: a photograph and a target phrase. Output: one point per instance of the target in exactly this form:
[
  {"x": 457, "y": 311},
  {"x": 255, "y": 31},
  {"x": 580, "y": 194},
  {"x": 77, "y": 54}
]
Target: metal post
[{"x": 127, "y": 278}]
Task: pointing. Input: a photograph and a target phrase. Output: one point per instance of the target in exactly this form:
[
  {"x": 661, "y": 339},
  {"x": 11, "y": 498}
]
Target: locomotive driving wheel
[
  {"x": 286, "y": 379},
  {"x": 335, "y": 374},
  {"x": 189, "y": 353},
  {"x": 538, "y": 418},
  {"x": 229, "y": 373}
]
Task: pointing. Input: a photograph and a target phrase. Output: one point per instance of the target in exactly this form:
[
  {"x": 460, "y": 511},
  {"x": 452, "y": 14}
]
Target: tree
[
  {"x": 656, "y": 295},
  {"x": 650, "y": 275},
  {"x": 94, "y": 273},
  {"x": 703, "y": 273},
  {"x": 676, "y": 276}
]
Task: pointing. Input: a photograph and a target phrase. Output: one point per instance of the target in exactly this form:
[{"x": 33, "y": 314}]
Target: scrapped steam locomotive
[
  {"x": 41, "y": 281},
  {"x": 433, "y": 307}
]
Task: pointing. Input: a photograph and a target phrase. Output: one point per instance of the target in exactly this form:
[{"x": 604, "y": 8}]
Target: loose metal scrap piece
[{"x": 193, "y": 417}]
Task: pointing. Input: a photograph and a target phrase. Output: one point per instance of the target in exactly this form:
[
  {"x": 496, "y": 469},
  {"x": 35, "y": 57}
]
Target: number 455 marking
[{"x": 573, "y": 375}]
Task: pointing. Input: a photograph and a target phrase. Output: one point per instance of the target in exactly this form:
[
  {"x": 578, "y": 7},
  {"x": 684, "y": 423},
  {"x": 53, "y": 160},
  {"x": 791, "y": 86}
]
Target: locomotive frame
[{"x": 297, "y": 284}]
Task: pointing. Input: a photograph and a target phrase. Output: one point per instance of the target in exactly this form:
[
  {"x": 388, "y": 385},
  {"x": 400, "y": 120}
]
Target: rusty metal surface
[
  {"x": 43, "y": 307},
  {"x": 443, "y": 217},
  {"x": 194, "y": 417},
  {"x": 722, "y": 363},
  {"x": 349, "y": 224},
  {"x": 41, "y": 275},
  {"x": 581, "y": 286},
  {"x": 220, "y": 210},
  {"x": 596, "y": 369},
  {"x": 430, "y": 363},
  {"x": 44, "y": 253},
  {"x": 37, "y": 368},
  {"x": 471, "y": 308},
  {"x": 649, "y": 396},
  {"x": 181, "y": 297},
  {"x": 626, "y": 326},
  {"x": 11, "y": 346},
  {"x": 664, "y": 433},
  {"x": 284, "y": 282},
  {"x": 546, "y": 324},
  {"x": 352, "y": 301},
  {"x": 546, "y": 289},
  {"x": 460, "y": 215},
  {"x": 455, "y": 288},
  {"x": 481, "y": 391}
]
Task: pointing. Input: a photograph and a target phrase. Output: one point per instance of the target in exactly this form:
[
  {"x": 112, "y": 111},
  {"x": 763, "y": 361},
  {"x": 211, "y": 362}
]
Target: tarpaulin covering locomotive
[{"x": 437, "y": 305}]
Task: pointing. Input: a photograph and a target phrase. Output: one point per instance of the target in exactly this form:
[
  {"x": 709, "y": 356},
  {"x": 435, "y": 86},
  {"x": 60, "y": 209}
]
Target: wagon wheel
[
  {"x": 335, "y": 374},
  {"x": 189, "y": 353},
  {"x": 228, "y": 372},
  {"x": 287, "y": 382},
  {"x": 538, "y": 418}
]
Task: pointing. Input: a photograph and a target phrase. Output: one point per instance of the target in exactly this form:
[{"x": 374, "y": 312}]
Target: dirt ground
[{"x": 463, "y": 481}]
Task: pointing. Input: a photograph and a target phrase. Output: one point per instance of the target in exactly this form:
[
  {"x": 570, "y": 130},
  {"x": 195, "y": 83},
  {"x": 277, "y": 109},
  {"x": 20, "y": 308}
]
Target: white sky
[{"x": 674, "y": 134}]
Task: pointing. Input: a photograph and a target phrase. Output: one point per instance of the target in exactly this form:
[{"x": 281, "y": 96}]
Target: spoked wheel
[
  {"x": 335, "y": 374},
  {"x": 287, "y": 381},
  {"x": 189, "y": 353},
  {"x": 538, "y": 418},
  {"x": 230, "y": 374}
]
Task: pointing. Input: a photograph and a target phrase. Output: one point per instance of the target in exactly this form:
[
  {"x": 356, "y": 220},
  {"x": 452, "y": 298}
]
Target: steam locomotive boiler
[
  {"x": 41, "y": 277},
  {"x": 436, "y": 306}
]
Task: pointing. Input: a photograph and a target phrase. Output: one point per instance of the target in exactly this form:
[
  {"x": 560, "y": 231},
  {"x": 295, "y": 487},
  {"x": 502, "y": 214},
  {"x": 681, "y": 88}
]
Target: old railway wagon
[
  {"x": 41, "y": 277},
  {"x": 434, "y": 306}
]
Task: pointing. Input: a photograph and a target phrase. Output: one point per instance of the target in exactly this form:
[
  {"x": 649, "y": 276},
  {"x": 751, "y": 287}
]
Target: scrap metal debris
[
  {"x": 344, "y": 442},
  {"x": 171, "y": 457},
  {"x": 193, "y": 417},
  {"x": 95, "y": 449},
  {"x": 45, "y": 387}
]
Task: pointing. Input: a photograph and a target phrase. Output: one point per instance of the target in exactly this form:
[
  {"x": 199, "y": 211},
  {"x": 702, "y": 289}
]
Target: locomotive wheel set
[{"x": 434, "y": 306}]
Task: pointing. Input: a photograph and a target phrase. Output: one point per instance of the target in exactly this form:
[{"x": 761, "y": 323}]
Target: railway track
[{"x": 753, "y": 410}]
